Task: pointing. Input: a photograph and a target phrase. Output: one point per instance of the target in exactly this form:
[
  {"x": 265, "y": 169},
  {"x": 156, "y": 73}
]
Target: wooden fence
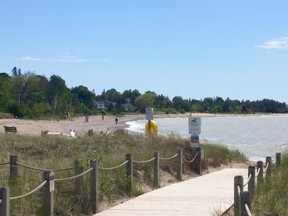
[
  {"x": 242, "y": 199},
  {"x": 49, "y": 178}
]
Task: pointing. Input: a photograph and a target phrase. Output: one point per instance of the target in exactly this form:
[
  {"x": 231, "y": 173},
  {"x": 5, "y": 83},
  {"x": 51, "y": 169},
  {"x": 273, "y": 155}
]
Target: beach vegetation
[
  {"x": 272, "y": 193},
  {"x": 52, "y": 152}
]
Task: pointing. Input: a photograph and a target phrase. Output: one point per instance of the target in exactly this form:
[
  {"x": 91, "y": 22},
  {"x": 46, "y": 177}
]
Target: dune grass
[
  {"x": 272, "y": 194},
  {"x": 52, "y": 152}
]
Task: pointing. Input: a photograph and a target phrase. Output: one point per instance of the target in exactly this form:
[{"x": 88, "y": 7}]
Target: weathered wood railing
[
  {"x": 242, "y": 199},
  {"x": 49, "y": 178}
]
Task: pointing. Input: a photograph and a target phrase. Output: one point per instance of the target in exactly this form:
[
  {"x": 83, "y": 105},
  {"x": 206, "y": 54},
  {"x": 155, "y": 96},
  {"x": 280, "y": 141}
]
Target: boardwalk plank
[{"x": 205, "y": 195}]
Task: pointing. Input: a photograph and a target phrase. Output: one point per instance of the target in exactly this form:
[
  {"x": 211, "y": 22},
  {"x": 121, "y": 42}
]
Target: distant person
[
  {"x": 102, "y": 116},
  {"x": 116, "y": 120}
]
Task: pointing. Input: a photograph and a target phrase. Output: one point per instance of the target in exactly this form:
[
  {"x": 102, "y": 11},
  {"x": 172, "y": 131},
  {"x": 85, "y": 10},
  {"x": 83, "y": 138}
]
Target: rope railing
[
  {"x": 116, "y": 167},
  {"x": 169, "y": 158},
  {"x": 76, "y": 176},
  {"x": 242, "y": 199},
  {"x": 247, "y": 181},
  {"x": 147, "y": 161},
  {"x": 239, "y": 190},
  {"x": 257, "y": 172},
  {"x": 43, "y": 169},
  {"x": 266, "y": 168},
  {"x": 50, "y": 179},
  {"x": 4, "y": 163},
  {"x": 248, "y": 210},
  {"x": 29, "y": 193},
  {"x": 192, "y": 159},
  {"x": 31, "y": 168}
]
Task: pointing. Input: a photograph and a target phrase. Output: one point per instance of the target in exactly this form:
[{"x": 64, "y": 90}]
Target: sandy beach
[{"x": 34, "y": 127}]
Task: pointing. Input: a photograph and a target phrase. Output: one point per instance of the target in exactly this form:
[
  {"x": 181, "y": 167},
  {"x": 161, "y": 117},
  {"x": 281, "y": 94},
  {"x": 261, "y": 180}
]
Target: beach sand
[{"x": 34, "y": 127}]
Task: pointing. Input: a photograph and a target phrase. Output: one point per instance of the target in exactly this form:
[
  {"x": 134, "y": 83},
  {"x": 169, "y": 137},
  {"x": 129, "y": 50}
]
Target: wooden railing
[{"x": 50, "y": 178}]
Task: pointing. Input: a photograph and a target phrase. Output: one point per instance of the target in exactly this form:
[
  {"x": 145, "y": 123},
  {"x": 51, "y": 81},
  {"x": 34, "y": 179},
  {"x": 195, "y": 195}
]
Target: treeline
[{"x": 35, "y": 96}]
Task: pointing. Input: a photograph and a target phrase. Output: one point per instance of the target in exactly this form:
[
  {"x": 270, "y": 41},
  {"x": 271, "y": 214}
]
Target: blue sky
[{"x": 189, "y": 48}]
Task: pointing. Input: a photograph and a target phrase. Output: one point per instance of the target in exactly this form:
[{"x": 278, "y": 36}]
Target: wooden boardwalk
[{"x": 208, "y": 195}]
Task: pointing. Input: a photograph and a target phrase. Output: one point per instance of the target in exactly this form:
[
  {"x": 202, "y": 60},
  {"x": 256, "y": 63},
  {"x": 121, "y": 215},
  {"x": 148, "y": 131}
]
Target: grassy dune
[{"x": 52, "y": 152}]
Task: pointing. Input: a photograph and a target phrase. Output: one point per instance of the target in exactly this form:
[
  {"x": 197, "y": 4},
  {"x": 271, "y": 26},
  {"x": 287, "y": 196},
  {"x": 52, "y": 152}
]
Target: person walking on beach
[{"x": 116, "y": 120}]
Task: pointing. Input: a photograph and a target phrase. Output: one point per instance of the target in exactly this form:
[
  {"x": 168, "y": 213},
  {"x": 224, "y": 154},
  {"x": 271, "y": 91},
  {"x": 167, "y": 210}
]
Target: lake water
[{"x": 255, "y": 136}]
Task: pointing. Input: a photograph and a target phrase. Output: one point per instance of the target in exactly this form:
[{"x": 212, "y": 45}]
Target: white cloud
[
  {"x": 61, "y": 58},
  {"x": 69, "y": 58},
  {"x": 30, "y": 58},
  {"x": 275, "y": 44}
]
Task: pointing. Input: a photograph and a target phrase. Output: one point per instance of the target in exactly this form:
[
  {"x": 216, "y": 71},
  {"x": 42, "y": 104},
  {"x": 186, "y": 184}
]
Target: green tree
[
  {"x": 130, "y": 96},
  {"x": 5, "y": 97},
  {"x": 83, "y": 96},
  {"x": 56, "y": 88},
  {"x": 145, "y": 100},
  {"x": 15, "y": 71}
]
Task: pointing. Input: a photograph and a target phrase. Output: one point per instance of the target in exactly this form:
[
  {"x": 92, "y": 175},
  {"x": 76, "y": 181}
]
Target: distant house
[{"x": 102, "y": 105}]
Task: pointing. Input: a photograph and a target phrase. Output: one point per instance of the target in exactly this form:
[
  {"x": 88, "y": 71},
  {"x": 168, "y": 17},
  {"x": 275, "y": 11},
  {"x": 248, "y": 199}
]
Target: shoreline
[{"x": 95, "y": 123}]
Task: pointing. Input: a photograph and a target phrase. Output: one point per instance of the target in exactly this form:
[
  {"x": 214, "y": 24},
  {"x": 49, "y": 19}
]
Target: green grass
[
  {"x": 52, "y": 152},
  {"x": 272, "y": 194}
]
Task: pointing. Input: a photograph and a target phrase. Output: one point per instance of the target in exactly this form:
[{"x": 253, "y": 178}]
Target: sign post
[
  {"x": 194, "y": 124},
  {"x": 149, "y": 113},
  {"x": 149, "y": 117}
]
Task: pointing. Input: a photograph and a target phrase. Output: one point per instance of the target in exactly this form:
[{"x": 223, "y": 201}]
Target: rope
[
  {"x": 248, "y": 210},
  {"x": 1, "y": 164},
  {"x": 174, "y": 156},
  {"x": 147, "y": 161},
  {"x": 257, "y": 172},
  {"x": 266, "y": 168},
  {"x": 31, "y": 192},
  {"x": 250, "y": 176},
  {"x": 111, "y": 168},
  {"x": 73, "y": 177},
  {"x": 239, "y": 190},
  {"x": 32, "y": 168},
  {"x": 42, "y": 169},
  {"x": 192, "y": 159}
]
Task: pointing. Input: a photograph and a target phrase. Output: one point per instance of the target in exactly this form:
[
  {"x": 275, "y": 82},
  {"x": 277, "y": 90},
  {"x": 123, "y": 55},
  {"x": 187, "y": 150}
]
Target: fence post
[
  {"x": 79, "y": 182},
  {"x": 269, "y": 164},
  {"x": 238, "y": 181},
  {"x": 94, "y": 186},
  {"x": 251, "y": 183},
  {"x": 5, "y": 203},
  {"x": 13, "y": 167},
  {"x": 260, "y": 174},
  {"x": 129, "y": 172},
  {"x": 198, "y": 159},
  {"x": 245, "y": 199},
  {"x": 48, "y": 196},
  {"x": 180, "y": 159},
  {"x": 156, "y": 169},
  {"x": 278, "y": 159}
]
